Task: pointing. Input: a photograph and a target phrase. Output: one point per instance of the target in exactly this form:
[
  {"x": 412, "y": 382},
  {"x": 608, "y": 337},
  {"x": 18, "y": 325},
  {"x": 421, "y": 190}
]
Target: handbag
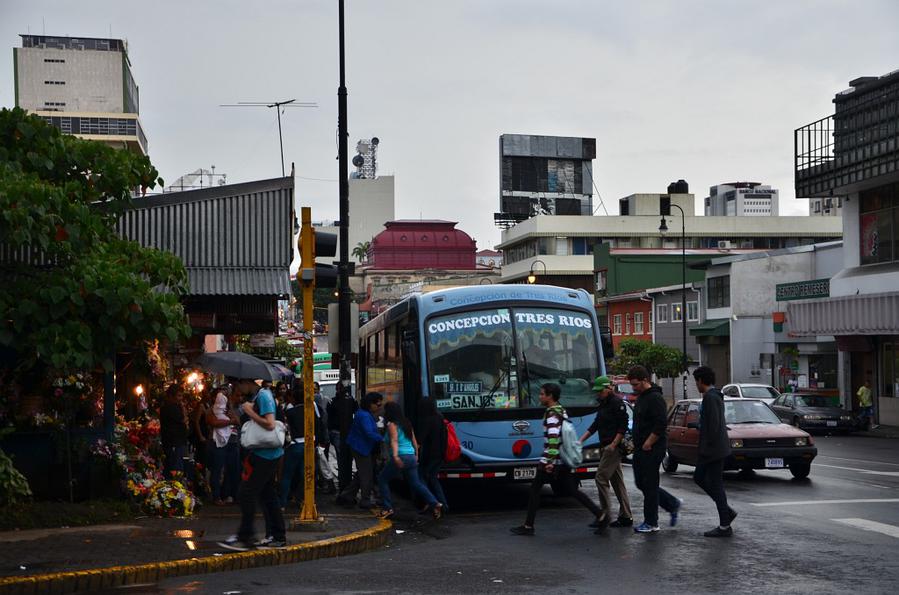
[{"x": 253, "y": 436}]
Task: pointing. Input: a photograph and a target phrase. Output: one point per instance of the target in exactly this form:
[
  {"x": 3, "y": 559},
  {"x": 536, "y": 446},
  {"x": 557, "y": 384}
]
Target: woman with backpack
[
  {"x": 402, "y": 458},
  {"x": 552, "y": 467},
  {"x": 433, "y": 433}
]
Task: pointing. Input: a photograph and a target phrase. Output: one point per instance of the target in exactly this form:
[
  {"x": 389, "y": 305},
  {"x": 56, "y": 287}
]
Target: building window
[
  {"x": 627, "y": 323},
  {"x": 718, "y": 291},
  {"x": 616, "y": 324},
  {"x": 54, "y": 61},
  {"x": 662, "y": 313},
  {"x": 638, "y": 323},
  {"x": 676, "y": 313},
  {"x": 650, "y": 320},
  {"x": 54, "y": 82},
  {"x": 693, "y": 311},
  {"x": 879, "y": 225}
]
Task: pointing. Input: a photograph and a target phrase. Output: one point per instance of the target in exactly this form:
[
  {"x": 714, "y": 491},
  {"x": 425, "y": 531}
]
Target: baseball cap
[{"x": 601, "y": 382}]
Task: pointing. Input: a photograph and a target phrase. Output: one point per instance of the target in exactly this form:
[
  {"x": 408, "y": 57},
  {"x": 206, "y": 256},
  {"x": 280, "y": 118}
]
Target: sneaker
[
  {"x": 522, "y": 530},
  {"x": 235, "y": 544},
  {"x": 264, "y": 542},
  {"x": 273, "y": 544},
  {"x": 646, "y": 528},
  {"x": 229, "y": 500},
  {"x": 719, "y": 532},
  {"x": 622, "y": 522},
  {"x": 676, "y": 512},
  {"x": 600, "y": 523},
  {"x": 874, "y": 426},
  {"x": 733, "y": 515}
]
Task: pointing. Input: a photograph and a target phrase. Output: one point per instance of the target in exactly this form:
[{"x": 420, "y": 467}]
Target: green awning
[{"x": 716, "y": 327}]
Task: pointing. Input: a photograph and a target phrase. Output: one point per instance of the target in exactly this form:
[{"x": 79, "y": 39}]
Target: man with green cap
[{"x": 610, "y": 425}]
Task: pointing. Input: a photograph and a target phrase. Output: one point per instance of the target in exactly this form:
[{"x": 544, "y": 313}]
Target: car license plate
[
  {"x": 524, "y": 473},
  {"x": 774, "y": 463},
  {"x": 831, "y": 424}
]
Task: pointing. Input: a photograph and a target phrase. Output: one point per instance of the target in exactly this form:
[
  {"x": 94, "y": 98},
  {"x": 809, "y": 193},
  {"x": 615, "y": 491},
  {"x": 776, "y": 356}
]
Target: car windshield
[
  {"x": 817, "y": 401},
  {"x": 474, "y": 363},
  {"x": 748, "y": 412},
  {"x": 760, "y": 392}
]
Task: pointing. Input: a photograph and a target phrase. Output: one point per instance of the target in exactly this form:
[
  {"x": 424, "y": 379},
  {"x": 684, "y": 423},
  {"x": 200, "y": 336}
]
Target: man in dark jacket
[
  {"x": 714, "y": 447},
  {"x": 650, "y": 442},
  {"x": 611, "y": 425},
  {"x": 340, "y": 415}
]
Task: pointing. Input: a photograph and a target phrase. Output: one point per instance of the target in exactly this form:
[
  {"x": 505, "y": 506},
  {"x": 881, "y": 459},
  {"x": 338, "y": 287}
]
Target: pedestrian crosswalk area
[{"x": 868, "y": 525}]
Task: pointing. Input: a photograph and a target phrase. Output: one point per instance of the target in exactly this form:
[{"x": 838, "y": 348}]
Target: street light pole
[
  {"x": 343, "y": 301},
  {"x": 683, "y": 244}
]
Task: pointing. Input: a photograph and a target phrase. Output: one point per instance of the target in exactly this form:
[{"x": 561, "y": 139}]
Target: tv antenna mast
[{"x": 279, "y": 106}]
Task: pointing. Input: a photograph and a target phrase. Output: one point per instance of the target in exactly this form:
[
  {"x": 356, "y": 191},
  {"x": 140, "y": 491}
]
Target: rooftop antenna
[{"x": 279, "y": 108}]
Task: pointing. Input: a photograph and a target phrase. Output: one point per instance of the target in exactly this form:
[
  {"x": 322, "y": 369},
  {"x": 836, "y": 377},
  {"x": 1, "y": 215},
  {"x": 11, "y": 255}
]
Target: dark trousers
[
  {"x": 344, "y": 464},
  {"x": 174, "y": 459},
  {"x": 429, "y": 472},
  {"x": 646, "y": 476},
  {"x": 225, "y": 470},
  {"x": 710, "y": 477},
  {"x": 363, "y": 481},
  {"x": 561, "y": 474},
  {"x": 259, "y": 485}
]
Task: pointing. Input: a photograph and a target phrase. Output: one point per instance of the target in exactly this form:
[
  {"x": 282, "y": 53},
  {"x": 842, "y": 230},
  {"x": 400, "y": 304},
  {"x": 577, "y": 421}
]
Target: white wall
[
  {"x": 93, "y": 80},
  {"x": 749, "y": 336},
  {"x": 372, "y": 204}
]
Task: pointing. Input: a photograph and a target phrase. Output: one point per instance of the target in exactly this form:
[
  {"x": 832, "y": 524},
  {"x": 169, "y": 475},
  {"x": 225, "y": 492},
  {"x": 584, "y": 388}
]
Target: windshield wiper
[
  {"x": 489, "y": 398},
  {"x": 527, "y": 375}
]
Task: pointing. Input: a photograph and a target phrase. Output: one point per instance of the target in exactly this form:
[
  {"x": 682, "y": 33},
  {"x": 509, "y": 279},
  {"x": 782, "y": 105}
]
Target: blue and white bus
[{"x": 483, "y": 352}]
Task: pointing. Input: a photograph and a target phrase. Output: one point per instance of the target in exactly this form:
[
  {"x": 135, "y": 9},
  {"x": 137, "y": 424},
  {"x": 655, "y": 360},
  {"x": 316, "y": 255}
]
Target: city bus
[{"x": 482, "y": 352}]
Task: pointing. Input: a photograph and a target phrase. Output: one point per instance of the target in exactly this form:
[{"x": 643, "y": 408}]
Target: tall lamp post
[{"x": 663, "y": 229}]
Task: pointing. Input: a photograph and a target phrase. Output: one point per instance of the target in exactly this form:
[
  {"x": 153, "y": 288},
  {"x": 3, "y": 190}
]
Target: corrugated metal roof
[
  {"x": 873, "y": 314},
  {"x": 204, "y": 281},
  {"x": 234, "y": 240}
]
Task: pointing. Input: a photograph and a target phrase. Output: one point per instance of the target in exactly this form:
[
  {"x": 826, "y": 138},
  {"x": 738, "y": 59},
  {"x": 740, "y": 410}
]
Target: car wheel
[
  {"x": 800, "y": 470},
  {"x": 669, "y": 463}
]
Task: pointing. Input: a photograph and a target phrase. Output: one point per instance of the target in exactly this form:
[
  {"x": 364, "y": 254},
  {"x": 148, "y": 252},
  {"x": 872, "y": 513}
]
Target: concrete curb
[{"x": 117, "y": 576}]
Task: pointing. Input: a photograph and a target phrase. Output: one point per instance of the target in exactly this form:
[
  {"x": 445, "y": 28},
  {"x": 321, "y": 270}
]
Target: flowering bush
[{"x": 169, "y": 498}]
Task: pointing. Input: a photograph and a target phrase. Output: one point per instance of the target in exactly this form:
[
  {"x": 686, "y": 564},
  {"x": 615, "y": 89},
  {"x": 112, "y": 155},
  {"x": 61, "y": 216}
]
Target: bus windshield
[{"x": 499, "y": 358}]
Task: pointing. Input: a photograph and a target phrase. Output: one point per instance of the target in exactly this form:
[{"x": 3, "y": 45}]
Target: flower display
[{"x": 169, "y": 498}]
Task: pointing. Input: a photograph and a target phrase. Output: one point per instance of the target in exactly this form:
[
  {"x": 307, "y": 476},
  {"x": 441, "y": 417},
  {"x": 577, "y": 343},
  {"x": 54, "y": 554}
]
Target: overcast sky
[{"x": 705, "y": 90}]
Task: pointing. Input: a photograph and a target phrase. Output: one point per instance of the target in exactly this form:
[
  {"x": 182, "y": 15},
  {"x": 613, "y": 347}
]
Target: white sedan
[{"x": 762, "y": 392}]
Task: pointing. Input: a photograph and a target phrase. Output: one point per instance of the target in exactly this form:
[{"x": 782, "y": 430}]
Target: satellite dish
[
  {"x": 358, "y": 160},
  {"x": 375, "y": 140}
]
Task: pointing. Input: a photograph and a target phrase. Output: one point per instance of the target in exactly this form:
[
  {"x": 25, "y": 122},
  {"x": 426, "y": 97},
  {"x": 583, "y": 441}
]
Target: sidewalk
[
  {"x": 881, "y": 432},
  {"x": 66, "y": 560}
]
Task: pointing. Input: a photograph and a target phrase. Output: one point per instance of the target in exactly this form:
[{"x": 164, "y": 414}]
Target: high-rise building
[
  {"x": 831, "y": 206},
  {"x": 81, "y": 85},
  {"x": 742, "y": 199},
  {"x": 544, "y": 175}
]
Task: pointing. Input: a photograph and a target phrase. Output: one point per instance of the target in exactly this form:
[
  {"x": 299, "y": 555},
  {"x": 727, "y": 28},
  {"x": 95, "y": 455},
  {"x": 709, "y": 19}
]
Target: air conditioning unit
[{"x": 724, "y": 244}]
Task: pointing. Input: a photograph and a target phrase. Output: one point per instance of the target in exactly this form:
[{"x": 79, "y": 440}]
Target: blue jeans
[
  {"x": 428, "y": 473},
  {"x": 293, "y": 460},
  {"x": 410, "y": 474},
  {"x": 225, "y": 470}
]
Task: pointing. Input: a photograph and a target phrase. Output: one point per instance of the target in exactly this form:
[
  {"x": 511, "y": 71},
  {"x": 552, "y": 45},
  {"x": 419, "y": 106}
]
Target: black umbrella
[{"x": 237, "y": 365}]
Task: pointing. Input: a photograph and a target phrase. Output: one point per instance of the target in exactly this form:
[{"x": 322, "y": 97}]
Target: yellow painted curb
[{"x": 116, "y": 576}]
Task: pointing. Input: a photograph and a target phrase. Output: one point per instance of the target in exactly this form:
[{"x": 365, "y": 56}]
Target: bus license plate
[
  {"x": 774, "y": 463},
  {"x": 524, "y": 473}
]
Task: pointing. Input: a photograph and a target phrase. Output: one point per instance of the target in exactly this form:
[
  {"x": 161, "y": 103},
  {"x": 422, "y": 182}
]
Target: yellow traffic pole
[{"x": 309, "y": 513}]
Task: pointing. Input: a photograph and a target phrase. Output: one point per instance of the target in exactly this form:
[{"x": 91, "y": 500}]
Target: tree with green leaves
[
  {"x": 361, "y": 251},
  {"x": 659, "y": 359},
  {"x": 73, "y": 291}
]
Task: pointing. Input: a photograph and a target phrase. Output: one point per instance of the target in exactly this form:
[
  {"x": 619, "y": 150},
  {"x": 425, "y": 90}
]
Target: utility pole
[
  {"x": 343, "y": 299},
  {"x": 307, "y": 281}
]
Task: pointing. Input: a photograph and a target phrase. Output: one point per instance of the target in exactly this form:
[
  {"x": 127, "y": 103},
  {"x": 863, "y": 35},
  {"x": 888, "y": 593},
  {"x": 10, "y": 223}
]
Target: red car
[{"x": 758, "y": 439}]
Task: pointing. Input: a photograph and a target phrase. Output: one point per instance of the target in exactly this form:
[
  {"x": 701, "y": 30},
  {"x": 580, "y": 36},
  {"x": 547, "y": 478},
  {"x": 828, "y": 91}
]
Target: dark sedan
[
  {"x": 810, "y": 411},
  {"x": 757, "y": 438}
]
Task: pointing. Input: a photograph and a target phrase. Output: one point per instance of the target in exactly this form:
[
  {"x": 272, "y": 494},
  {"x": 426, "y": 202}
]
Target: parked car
[
  {"x": 623, "y": 389},
  {"x": 762, "y": 392},
  {"x": 758, "y": 439},
  {"x": 810, "y": 410}
]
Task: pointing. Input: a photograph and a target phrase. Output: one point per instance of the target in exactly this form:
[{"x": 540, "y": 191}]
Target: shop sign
[{"x": 803, "y": 290}]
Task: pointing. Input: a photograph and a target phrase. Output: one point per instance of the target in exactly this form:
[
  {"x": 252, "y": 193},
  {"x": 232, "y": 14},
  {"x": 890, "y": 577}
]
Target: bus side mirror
[{"x": 605, "y": 339}]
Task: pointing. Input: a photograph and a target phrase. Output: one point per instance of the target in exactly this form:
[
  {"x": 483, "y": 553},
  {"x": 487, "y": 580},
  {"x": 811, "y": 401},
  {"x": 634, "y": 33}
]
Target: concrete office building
[
  {"x": 854, "y": 153},
  {"x": 831, "y": 206},
  {"x": 550, "y": 175},
  {"x": 559, "y": 249},
  {"x": 81, "y": 85},
  {"x": 742, "y": 199}
]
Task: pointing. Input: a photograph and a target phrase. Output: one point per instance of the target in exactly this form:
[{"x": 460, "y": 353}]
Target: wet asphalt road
[{"x": 836, "y": 532}]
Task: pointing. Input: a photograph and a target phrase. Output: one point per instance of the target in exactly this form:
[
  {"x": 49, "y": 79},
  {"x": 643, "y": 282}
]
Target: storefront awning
[
  {"x": 715, "y": 327},
  {"x": 872, "y": 314}
]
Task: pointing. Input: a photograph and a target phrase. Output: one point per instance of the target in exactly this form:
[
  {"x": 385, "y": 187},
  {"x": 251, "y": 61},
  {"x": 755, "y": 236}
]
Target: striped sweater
[{"x": 552, "y": 434}]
